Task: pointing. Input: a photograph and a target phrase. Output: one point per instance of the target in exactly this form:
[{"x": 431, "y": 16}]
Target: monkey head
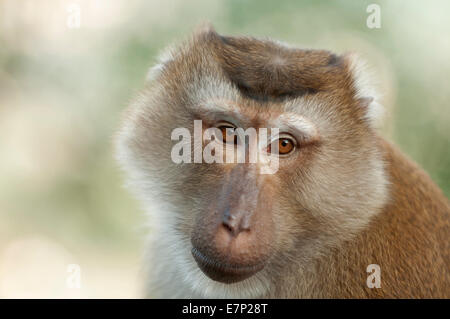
[{"x": 227, "y": 226}]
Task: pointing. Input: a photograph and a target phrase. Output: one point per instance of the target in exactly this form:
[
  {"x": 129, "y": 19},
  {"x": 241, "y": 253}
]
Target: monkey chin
[{"x": 222, "y": 272}]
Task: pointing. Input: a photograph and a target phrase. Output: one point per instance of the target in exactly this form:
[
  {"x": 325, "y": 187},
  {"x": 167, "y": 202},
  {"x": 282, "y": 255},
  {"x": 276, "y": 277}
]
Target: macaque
[{"x": 340, "y": 199}]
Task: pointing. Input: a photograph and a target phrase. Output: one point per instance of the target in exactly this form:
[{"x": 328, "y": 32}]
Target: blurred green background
[{"x": 63, "y": 88}]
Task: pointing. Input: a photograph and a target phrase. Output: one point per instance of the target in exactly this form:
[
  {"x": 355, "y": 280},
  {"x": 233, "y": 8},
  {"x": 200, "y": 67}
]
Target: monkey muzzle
[{"x": 232, "y": 240}]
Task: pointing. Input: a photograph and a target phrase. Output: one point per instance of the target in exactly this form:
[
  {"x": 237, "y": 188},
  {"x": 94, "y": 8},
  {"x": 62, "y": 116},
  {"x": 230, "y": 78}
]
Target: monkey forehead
[
  {"x": 259, "y": 69},
  {"x": 263, "y": 69},
  {"x": 211, "y": 66}
]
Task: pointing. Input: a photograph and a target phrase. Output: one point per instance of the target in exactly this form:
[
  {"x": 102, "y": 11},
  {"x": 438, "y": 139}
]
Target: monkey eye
[
  {"x": 227, "y": 130},
  {"x": 286, "y": 144}
]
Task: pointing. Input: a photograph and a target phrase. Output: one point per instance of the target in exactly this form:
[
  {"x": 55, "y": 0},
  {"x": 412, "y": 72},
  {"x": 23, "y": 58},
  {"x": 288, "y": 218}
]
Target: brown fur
[
  {"x": 409, "y": 239},
  {"x": 339, "y": 204}
]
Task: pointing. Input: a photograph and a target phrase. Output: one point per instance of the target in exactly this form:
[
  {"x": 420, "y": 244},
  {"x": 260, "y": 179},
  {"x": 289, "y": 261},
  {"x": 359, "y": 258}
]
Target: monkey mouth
[{"x": 223, "y": 272}]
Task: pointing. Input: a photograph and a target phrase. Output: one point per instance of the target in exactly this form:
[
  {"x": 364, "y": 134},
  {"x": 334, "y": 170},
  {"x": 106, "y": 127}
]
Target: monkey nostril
[
  {"x": 229, "y": 228},
  {"x": 231, "y": 223},
  {"x": 236, "y": 224}
]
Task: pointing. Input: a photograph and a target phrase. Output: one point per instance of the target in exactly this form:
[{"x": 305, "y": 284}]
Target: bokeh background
[{"x": 64, "y": 86}]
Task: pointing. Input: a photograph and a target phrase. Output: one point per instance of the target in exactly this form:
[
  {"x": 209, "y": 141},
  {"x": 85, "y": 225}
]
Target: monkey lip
[{"x": 222, "y": 272}]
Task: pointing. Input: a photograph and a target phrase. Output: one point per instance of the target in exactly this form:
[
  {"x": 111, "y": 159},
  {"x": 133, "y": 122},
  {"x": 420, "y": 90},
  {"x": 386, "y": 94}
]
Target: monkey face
[{"x": 229, "y": 219}]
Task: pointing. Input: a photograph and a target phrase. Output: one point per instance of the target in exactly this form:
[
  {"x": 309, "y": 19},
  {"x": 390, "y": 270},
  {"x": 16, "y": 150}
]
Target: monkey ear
[{"x": 364, "y": 86}]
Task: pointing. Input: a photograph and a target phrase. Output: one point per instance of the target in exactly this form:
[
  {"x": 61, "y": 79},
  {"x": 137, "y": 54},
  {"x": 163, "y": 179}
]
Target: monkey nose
[{"x": 236, "y": 222}]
